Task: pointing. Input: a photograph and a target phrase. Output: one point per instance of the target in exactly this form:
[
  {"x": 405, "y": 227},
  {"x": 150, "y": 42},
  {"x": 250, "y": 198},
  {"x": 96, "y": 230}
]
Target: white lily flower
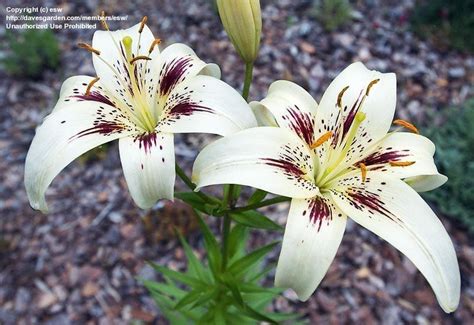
[
  {"x": 339, "y": 160},
  {"x": 141, "y": 97}
]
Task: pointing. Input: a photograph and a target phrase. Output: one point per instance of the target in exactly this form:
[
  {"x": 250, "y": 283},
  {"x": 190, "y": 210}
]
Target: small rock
[
  {"x": 457, "y": 72},
  {"x": 46, "y": 300},
  {"x": 90, "y": 289}
]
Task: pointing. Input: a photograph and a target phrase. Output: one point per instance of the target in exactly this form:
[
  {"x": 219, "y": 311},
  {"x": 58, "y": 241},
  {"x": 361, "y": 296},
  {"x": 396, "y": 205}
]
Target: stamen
[
  {"x": 89, "y": 48},
  {"x": 325, "y": 137},
  {"x": 363, "y": 170},
  {"x": 339, "y": 97},
  {"x": 102, "y": 20},
  {"x": 406, "y": 125},
  {"x": 140, "y": 57},
  {"x": 89, "y": 86},
  {"x": 401, "y": 163},
  {"x": 153, "y": 44},
  {"x": 371, "y": 84},
  {"x": 143, "y": 22}
]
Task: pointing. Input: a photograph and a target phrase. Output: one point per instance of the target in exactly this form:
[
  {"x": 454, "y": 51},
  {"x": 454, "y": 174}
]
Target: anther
[
  {"x": 371, "y": 84},
  {"x": 153, "y": 44},
  {"x": 89, "y": 48},
  {"x": 363, "y": 170},
  {"x": 325, "y": 137},
  {"x": 406, "y": 125},
  {"x": 339, "y": 97},
  {"x": 89, "y": 86},
  {"x": 142, "y": 25},
  {"x": 102, "y": 20},
  {"x": 401, "y": 163},
  {"x": 140, "y": 57}
]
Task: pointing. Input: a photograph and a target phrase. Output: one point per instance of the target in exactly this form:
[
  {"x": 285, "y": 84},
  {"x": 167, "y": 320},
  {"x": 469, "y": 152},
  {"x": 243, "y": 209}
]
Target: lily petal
[
  {"x": 414, "y": 149},
  {"x": 73, "y": 90},
  {"x": 293, "y": 108},
  {"x": 263, "y": 115},
  {"x": 117, "y": 81},
  {"x": 65, "y": 135},
  {"x": 207, "y": 105},
  {"x": 357, "y": 89},
  {"x": 272, "y": 159},
  {"x": 148, "y": 166},
  {"x": 178, "y": 62},
  {"x": 394, "y": 211},
  {"x": 314, "y": 231}
]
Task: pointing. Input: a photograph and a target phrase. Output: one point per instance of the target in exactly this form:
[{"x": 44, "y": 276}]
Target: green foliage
[
  {"x": 210, "y": 294},
  {"x": 451, "y": 21},
  {"x": 455, "y": 158},
  {"x": 30, "y": 52},
  {"x": 332, "y": 13}
]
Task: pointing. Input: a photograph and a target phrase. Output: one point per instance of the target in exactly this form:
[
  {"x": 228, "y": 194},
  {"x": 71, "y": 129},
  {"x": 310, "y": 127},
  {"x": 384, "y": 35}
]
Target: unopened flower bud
[{"x": 242, "y": 21}]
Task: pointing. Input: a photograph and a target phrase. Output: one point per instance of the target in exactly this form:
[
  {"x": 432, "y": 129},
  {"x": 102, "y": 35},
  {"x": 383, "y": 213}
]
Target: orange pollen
[
  {"x": 371, "y": 84},
  {"x": 363, "y": 170},
  {"x": 153, "y": 44},
  {"x": 140, "y": 57},
  {"x": 325, "y": 137},
  {"x": 88, "y": 48},
  {"x": 142, "y": 25},
  {"x": 406, "y": 125},
  {"x": 102, "y": 20},
  {"x": 401, "y": 163},
  {"x": 89, "y": 86},
  {"x": 339, "y": 97}
]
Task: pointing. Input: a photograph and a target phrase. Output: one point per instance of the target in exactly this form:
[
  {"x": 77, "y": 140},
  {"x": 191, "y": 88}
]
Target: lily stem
[
  {"x": 229, "y": 200},
  {"x": 180, "y": 172},
  {"x": 275, "y": 200},
  {"x": 248, "y": 80}
]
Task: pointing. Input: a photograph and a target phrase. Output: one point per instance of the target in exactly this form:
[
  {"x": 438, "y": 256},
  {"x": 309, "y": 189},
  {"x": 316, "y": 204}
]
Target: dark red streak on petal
[
  {"x": 319, "y": 211},
  {"x": 301, "y": 123},
  {"x": 288, "y": 167},
  {"x": 371, "y": 201},
  {"x": 187, "y": 108},
  {"x": 172, "y": 73},
  {"x": 105, "y": 128},
  {"x": 94, "y": 96},
  {"x": 378, "y": 158},
  {"x": 351, "y": 115},
  {"x": 146, "y": 141}
]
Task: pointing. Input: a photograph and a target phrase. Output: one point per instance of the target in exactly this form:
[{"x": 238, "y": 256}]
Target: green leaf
[
  {"x": 211, "y": 245},
  {"x": 237, "y": 241},
  {"x": 237, "y": 189},
  {"x": 240, "y": 266},
  {"x": 194, "y": 264},
  {"x": 255, "y": 219},
  {"x": 257, "y": 196},
  {"x": 178, "y": 276},
  {"x": 197, "y": 202},
  {"x": 170, "y": 290},
  {"x": 189, "y": 298}
]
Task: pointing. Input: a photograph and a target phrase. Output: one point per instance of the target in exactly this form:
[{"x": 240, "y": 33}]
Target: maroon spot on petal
[
  {"x": 319, "y": 211},
  {"x": 94, "y": 96},
  {"x": 141, "y": 165},
  {"x": 172, "y": 73},
  {"x": 146, "y": 141},
  {"x": 301, "y": 123}
]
